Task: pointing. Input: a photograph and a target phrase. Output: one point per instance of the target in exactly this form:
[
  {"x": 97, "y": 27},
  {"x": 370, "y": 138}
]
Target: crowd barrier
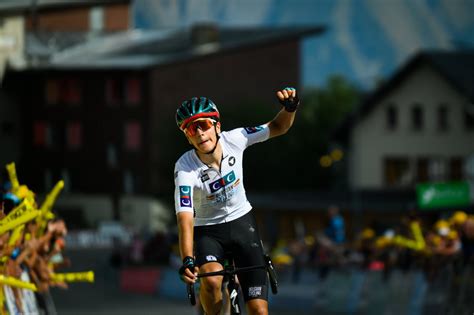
[{"x": 32, "y": 242}]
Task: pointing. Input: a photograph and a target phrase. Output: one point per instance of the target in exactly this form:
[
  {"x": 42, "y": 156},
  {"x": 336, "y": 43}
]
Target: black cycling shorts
[{"x": 241, "y": 239}]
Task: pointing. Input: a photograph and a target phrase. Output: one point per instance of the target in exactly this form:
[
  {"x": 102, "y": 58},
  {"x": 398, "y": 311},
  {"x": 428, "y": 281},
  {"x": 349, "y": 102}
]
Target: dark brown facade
[
  {"x": 113, "y": 131},
  {"x": 231, "y": 80}
]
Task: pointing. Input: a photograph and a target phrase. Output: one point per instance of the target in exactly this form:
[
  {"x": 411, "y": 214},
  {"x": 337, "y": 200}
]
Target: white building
[{"x": 416, "y": 127}]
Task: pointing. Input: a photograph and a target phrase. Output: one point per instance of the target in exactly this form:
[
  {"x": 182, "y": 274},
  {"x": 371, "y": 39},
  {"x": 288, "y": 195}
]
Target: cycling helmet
[{"x": 194, "y": 108}]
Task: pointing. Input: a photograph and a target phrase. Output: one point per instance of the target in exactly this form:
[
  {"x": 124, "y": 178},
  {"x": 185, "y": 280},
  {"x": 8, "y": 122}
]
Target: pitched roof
[
  {"x": 456, "y": 67},
  {"x": 141, "y": 49},
  {"x": 14, "y": 6}
]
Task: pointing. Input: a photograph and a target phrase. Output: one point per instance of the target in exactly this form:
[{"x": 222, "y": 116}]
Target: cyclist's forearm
[
  {"x": 185, "y": 227},
  {"x": 281, "y": 123}
]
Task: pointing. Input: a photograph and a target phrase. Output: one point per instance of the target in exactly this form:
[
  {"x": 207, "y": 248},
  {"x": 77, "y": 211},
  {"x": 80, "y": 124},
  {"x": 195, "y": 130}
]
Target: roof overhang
[{"x": 8, "y": 7}]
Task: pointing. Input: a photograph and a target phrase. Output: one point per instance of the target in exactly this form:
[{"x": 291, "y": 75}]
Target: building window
[
  {"x": 133, "y": 91},
  {"x": 71, "y": 92},
  {"x": 397, "y": 171},
  {"x": 67, "y": 180},
  {"x": 112, "y": 92},
  {"x": 52, "y": 92},
  {"x": 133, "y": 136},
  {"x": 442, "y": 118},
  {"x": 96, "y": 19},
  {"x": 112, "y": 160},
  {"x": 67, "y": 91},
  {"x": 42, "y": 136},
  {"x": 417, "y": 118},
  {"x": 469, "y": 117},
  {"x": 391, "y": 117},
  {"x": 456, "y": 168},
  {"x": 128, "y": 182},
  {"x": 437, "y": 170},
  {"x": 74, "y": 135},
  {"x": 422, "y": 170}
]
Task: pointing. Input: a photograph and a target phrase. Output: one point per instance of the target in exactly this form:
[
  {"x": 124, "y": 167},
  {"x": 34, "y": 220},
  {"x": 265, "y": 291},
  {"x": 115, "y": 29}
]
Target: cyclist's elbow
[{"x": 278, "y": 129}]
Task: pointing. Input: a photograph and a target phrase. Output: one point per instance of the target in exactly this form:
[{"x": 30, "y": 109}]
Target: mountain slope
[{"x": 366, "y": 39}]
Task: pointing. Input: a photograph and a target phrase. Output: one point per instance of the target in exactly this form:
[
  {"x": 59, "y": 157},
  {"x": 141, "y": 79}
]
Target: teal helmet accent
[{"x": 195, "y": 108}]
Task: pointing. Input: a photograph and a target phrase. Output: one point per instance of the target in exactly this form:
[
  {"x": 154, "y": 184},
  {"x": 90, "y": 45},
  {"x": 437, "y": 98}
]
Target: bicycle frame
[{"x": 233, "y": 287}]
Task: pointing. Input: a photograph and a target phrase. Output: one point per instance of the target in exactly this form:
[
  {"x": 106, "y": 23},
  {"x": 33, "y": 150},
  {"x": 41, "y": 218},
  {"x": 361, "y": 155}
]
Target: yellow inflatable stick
[
  {"x": 16, "y": 235},
  {"x": 2, "y": 303},
  {"x": 87, "y": 276},
  {"x": 11, "y": 169},
  {"x": 19, "y": 221},
  {"x": 418, "y": 235},
  {"x": 418, "y": 244},
  {"x": 18, "y": 216},
  {"x": 21, "y": 191},
  {"x": 47, "y": 207},
  {"x": 14, "y": 282}
]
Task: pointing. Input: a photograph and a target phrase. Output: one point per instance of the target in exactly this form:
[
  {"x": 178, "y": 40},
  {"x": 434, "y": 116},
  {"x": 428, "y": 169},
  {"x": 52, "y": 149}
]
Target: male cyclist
[{"x": 213, "y": 213}]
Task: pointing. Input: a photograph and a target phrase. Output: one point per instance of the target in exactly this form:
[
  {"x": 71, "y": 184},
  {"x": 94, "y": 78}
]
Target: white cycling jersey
[{"x": 216, "y": 196}]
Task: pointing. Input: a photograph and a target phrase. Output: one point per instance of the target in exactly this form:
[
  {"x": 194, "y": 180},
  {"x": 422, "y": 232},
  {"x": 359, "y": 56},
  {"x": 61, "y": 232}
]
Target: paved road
[
  {"x": 104, "y": 296},
  {"x": 343, "y": 292},
  {"x": 83, "y": 299}
]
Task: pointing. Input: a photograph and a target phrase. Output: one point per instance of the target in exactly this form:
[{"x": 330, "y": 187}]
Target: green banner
[{"x": 438, "y": 195}]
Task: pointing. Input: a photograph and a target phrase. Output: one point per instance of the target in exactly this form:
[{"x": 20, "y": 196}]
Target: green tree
[{"x": 291, "y": 162}]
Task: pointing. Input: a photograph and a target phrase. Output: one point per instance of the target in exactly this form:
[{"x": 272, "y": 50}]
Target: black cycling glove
[
  {"x": 290, "y": 104},
  {"x": 188, "y": 263}
]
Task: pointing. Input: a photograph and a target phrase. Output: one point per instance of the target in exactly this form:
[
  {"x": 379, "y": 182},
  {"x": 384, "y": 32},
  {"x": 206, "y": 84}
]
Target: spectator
[{"x": 335, "y": 230}]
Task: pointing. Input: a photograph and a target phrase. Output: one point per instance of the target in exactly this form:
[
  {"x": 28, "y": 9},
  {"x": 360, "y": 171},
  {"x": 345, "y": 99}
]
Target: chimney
[{"x": 204, "y": 33}]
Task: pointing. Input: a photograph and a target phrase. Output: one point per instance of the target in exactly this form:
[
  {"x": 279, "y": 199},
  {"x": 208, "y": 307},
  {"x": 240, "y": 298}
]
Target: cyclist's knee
[
  {"x": 257, "y": 307},
  {"x": 212, "y": 284},
  {"x": 258, "y": 311}
]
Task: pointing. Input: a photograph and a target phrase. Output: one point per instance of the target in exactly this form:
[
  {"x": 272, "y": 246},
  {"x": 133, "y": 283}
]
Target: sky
[{"x": 367, "y": 40}]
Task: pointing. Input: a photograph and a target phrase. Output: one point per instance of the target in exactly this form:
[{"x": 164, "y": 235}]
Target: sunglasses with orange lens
[{"x": 204, "y": 125}]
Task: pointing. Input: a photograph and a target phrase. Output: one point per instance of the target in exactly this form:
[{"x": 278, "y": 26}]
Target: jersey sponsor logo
[
  {"x": 231, "y": 161},
  {"x": 224, "y": 194},
  {"x": 251, "y": 130},
  {"x": 185, "y": 196},
  {"x": 222, "y": 182},
  {"x": 255, "y": 291},
  {"x": 204, "y": 177}
]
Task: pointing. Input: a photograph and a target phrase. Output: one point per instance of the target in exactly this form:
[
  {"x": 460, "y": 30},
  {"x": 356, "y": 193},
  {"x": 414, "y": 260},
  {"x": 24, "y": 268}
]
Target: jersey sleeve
[
  {"x": 245, "y": 137},
  {"x": 183, "y": 192}
]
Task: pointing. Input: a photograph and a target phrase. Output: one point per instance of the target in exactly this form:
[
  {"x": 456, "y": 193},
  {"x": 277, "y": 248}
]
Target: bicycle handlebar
[{"x": 230, "y": 271}]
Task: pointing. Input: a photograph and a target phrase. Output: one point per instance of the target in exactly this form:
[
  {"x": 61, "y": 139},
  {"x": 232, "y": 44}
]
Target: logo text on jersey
[
  {"x": 204, "y": 177},
  {"x": 250, "y": 130},
  {"x": 185, "y": 196},
  {"x": 222, "y": 182},
  {"x": 255, "y": 291}
]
